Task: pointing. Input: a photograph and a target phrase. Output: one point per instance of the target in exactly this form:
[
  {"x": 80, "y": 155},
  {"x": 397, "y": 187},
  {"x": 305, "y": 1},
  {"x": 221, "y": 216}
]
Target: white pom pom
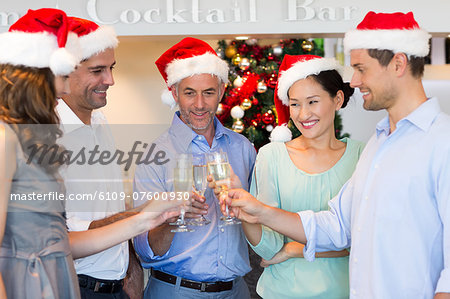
[
  {"x": 280, "y": 134},
  {"x": 237, "y": 112},
  {"x": 62, "y": 62},
  {"x": 167, "y": 98}
]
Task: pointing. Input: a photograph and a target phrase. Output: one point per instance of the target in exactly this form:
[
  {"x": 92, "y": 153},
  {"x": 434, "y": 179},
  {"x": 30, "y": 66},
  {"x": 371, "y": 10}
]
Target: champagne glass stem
[
  {"x": 182, "y": 212},
  {"x": 225, "y": 193}
]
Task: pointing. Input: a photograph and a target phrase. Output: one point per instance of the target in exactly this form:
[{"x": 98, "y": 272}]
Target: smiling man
[
  {"x": 85, "y": 128},
  {"x": 209, "y": 261}
]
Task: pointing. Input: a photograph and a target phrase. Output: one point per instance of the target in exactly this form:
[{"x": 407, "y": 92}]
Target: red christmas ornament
[
  {"x": 255, "y": 102},
  {"x": 268, "y": 117},
  {"x": 272, "y": 82}
]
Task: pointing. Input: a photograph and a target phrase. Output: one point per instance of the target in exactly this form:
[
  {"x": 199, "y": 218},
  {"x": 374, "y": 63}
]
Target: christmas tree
[{"x": 248, "y": 107}]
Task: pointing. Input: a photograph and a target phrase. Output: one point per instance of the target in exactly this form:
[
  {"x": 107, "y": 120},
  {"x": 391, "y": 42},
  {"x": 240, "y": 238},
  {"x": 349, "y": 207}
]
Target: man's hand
[
  {"x": 134, "y": 281},
  {"x": 198, "y": 208}
]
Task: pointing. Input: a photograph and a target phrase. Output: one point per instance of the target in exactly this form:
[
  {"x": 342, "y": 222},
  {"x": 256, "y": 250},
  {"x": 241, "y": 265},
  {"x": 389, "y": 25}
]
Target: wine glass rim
[{"x": 217, "y": 155}]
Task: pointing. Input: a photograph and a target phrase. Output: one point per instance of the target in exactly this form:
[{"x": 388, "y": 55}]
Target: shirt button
[
  {"x": 376, "y": 166},
  {"x": 353, "y": 292},
  {"x": 366, "y": 198},
  {"x": 222, "y": 230},
  {"x": 221, "y": 257},
  {"x": 355, "y": 260},
  {"x": 359, "y": 228}
]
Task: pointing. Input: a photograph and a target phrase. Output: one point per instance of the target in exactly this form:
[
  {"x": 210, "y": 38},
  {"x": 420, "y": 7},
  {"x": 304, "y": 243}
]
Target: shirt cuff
[
  {"x": 309, "y": 226},
  {"x": 264, "y": 248},
  {"x": 145, "y": 252},
  {"x": 76, "y": 224},
  {"x": 443, "y": 285}
]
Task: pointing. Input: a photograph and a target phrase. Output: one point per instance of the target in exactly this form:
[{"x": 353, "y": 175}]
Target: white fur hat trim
[
  {"x": 411, "y": 42},
  {"x": 207, "y": 63},
  {"x": 301, "y": 70},
  {"x": 35, "y": 50},
  {"x": 97, "y": 41}
]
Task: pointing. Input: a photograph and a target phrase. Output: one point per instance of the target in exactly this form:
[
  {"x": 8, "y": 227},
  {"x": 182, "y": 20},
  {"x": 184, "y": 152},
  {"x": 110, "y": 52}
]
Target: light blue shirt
[
  {"x": 210, "y": 253},
  {"x": 394, "y": 212}
]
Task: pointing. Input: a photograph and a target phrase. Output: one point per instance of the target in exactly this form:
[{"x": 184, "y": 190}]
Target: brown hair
[
  {"x": 416, "y": 64},
  {"x": 28, "y": 98}
]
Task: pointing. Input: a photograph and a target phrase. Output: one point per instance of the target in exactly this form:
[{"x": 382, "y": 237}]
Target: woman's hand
[{"x": 289, "y": 250}]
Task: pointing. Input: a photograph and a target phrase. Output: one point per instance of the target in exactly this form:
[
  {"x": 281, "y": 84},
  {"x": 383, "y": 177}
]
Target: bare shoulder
[
  {"x": 7, "y": 136},
  {"x": 8, "y": 145}
]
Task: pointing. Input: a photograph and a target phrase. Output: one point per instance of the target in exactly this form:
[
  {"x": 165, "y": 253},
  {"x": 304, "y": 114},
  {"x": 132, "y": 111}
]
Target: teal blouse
[{"x": 279, "y": 183}]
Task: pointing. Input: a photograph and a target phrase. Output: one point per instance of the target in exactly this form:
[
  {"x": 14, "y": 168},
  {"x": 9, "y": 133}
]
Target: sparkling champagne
[
  {"x": 182, "y": 179},
  {"x": 200, "y": 182},
  {"x": 219, "y": 170}
]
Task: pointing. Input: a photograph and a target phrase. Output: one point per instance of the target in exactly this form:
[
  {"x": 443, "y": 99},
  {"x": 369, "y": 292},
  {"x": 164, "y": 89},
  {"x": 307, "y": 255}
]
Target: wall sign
[{"x": 231, "y": 17}]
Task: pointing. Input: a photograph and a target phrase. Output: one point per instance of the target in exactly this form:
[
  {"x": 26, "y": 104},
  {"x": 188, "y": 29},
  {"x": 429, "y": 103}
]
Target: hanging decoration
[
  {"x": 262, "y": 87},
  {"x": 307, "y": 46},
  {"x": 230, "y": 51},
  {"x": 246, "y": 104}
]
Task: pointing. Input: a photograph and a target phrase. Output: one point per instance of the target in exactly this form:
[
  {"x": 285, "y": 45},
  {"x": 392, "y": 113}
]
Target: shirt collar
[
  {"x": 185, "y": 135},
  {"x": 422, "y": 117},
  {"x": 70, "y": 121}
]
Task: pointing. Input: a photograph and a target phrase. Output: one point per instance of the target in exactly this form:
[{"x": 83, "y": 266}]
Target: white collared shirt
[
  {"x": 92, "y": 181},
  {"x": 394, "y": 212}
]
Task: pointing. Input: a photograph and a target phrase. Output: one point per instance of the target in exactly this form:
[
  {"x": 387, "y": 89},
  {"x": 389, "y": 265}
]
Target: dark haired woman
[{"x": 292, "y": 175}]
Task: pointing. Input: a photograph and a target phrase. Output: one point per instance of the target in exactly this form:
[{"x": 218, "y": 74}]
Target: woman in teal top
[{"x": 292, "y": 175}]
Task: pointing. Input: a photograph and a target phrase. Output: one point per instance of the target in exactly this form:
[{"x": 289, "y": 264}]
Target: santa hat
[
  {"x": 38, "y": 39},
  {"x": 397, "y": 32},
  {"x": 93, "y": 38},
  {"x": 189, "y": 57},
  {"x": 292, "y": 69}
]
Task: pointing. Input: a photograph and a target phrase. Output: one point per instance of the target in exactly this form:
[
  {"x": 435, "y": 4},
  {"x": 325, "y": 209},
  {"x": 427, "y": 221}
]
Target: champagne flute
[
  {"x": 220, "y": 169},
  {"x": 182, "y": 182},
  {"x": 200, "y": 175}
]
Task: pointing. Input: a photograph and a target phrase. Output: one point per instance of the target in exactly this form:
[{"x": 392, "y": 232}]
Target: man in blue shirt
[
  {"x": 212, "y": 259},
  {"x": 395, "y": 210}
]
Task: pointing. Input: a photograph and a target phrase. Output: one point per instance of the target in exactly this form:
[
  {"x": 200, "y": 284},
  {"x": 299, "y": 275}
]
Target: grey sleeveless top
[{"x": 35, "y": 258}]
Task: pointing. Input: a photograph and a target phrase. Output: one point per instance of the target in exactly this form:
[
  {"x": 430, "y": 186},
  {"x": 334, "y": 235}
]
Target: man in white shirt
[
  {"x": 394, "y": 211},
  {"x": 85, "y": 129}
]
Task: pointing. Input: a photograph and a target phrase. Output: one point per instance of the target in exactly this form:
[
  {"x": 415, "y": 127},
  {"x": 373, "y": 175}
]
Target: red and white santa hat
[
  {"x": 38, "y": 39},
  {"x": 292, "y": 69},
  {"x": 397, "y": 32},
  {"x": 92, "y": 38},
  {"x": 189, "y": 57}
]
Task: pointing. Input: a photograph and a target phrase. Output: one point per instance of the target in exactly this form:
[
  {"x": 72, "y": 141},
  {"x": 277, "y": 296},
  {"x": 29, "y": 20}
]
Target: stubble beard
[
  {"x": 385, "y": 100},
  {"x": 192, "y": 126}
]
